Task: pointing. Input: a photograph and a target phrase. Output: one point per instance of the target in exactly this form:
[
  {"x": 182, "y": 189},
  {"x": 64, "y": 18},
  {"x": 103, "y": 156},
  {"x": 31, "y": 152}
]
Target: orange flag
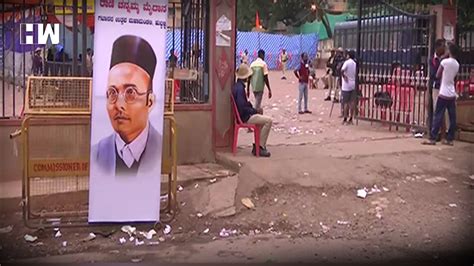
[{"x": 257, "y": 21}]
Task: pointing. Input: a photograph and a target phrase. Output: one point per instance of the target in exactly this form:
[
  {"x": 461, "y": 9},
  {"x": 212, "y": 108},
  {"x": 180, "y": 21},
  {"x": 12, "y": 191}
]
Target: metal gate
[{"x": 393, "y": 47}]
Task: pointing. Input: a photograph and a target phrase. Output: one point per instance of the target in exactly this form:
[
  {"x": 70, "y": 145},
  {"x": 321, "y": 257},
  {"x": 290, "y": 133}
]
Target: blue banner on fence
[
  {"x": 272, "y": 44},
  {"x": 254, "y": 41}
]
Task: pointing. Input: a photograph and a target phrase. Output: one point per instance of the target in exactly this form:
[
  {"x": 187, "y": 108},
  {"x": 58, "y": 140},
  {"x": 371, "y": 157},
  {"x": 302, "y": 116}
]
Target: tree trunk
[{"x": 327, "y": 26}]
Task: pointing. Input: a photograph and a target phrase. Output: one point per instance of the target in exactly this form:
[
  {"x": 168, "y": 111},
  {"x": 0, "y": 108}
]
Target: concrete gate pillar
[
  {"x": 222, "y": 68},
  {"x": 446, "y": 19}
]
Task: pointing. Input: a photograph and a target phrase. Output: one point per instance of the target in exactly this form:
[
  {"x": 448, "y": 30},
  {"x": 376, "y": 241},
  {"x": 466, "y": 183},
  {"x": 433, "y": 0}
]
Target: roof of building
[{"x": 318, "y": 27}]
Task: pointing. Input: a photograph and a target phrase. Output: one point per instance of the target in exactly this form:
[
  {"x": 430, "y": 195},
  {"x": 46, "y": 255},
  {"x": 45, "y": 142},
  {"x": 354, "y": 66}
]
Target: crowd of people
[
  {"x": 341, "y": 75},
  {"x": 340, "y": 78},
  {"x": 444, "y": 68},
  {"x": 44, "y": 65}
]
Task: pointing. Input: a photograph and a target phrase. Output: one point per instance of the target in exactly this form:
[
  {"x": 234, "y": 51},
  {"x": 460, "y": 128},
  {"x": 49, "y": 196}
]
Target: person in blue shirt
[{"x": 247, "y": 113}]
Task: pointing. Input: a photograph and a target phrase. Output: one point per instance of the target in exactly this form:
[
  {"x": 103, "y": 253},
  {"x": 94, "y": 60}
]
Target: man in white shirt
[
  {"x": 349, "y": 94},
  {"x": 447, "y": 71}
]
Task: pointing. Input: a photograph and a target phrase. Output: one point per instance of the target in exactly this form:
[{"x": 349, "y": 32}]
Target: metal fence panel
[{"x": 392, "y": 62}]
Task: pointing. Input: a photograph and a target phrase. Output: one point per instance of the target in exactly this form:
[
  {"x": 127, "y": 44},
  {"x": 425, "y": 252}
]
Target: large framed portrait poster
[{"x": 127, "y": 110}]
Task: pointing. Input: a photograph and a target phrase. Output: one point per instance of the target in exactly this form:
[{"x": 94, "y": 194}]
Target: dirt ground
[{"x": 306, "y": 204}]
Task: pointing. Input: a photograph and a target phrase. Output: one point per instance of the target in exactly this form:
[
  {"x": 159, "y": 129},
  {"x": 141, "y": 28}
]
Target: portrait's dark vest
[{"x": 121, "y": 168}]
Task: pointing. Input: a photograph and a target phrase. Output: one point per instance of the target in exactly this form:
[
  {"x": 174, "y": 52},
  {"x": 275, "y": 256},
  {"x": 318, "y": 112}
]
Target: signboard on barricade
[{"x": 58, "y": 167}]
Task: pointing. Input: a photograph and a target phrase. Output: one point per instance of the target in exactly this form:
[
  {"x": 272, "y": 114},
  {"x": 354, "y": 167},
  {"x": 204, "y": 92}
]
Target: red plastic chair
[
  {"x": 238, "y": 124},
  {"x": 404, "y": 100}
]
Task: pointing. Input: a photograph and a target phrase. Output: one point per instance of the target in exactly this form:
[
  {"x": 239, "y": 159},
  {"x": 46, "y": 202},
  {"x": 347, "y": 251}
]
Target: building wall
[{"x": 222, "y": 73}]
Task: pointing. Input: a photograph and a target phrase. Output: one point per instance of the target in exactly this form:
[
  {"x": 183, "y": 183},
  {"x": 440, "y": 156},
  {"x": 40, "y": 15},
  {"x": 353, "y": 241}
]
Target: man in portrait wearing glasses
[{"x": 135, "y": 146}]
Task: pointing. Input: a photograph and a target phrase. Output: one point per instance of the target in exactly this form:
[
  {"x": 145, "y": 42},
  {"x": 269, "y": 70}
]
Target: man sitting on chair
[{"x": 247, "y": 113}]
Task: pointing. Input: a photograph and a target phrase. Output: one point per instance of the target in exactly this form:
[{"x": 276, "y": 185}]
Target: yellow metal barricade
[{"x": 56, "y": 163}]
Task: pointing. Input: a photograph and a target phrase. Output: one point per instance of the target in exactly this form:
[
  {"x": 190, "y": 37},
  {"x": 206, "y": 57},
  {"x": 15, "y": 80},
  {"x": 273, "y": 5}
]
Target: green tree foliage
[
  {"x": 464, "y": 8},
  {"x": 290, "y": 12}
]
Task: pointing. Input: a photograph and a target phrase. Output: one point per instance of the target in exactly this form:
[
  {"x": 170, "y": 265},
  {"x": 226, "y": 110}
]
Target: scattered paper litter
[
  {"x": 130, "y": 230},
  {"x": 247, "y": 203},
  {"x": 122, "y": 240},
  {"x": 136, "y": 260},
  {"x": 435, "y": 180},
  {"x": 196, "y": 185},
  {"x": 206, "y": 231},
  {"x": 6, "y": 230},
  {"x": 373, "y": 190},
  {"x": 306, "y": 174},
  {"x": 90, "y": 237},
  {"x": 419, "y": 135},
  {"x": 167, "y": 229},
  {"x": 58, "y": 234},
  {"x": 153, "y": 243},
  {"x": 180, "y": 188},
  {"x": 131, "y": 239},
  {"x": 324, "y": 227},
  {"x": 361, "y": 193},
  {"x": 64, "y": 244},
  {"x": 471, "y": 177},
  {"x": 30, "y": 238},
  {"x": 213, "y": 180},
  {"x": 324, "y": 194},
  {"x": 148, "y": 235},
  {"x": 227, "y": 232},
  {"x": 453, "y": 205},
  {"x": 199, "y": 215},
  {"x": 342, "y": 222},
  {"x": 139, "y": 243}
]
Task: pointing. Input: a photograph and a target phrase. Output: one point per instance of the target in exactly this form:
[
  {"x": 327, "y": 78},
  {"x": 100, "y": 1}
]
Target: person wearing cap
[
  {"x": 247, "y": 113},
  {"x": 37, "y": 67},
  {"x": 135, "y": 146},
  {"x": 283, "y": 60}
]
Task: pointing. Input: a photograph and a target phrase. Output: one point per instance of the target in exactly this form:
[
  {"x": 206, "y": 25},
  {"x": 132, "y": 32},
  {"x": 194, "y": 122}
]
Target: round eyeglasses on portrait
[{"x": 130, "y": 94}]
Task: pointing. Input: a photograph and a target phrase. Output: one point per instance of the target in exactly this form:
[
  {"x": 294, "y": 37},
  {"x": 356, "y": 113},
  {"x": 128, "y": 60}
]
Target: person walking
[
  {"x": 302, "y": 74},
  {"x": 259, "y": 79},
  {"x": 447, "y": 71},
  {"x": 283, "y": 60}
]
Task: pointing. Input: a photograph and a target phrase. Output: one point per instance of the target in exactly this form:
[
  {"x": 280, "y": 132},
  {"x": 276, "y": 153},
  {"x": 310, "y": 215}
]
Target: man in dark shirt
[
  {"x": 247, "y": 113},
  {"x": 329, "y": 78},
  {"x": 302, "y": 74},
  {"x": 37, "y": 63},
  {"x": 435, "y": 82},
  {"x": 338, "y": 61}
]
